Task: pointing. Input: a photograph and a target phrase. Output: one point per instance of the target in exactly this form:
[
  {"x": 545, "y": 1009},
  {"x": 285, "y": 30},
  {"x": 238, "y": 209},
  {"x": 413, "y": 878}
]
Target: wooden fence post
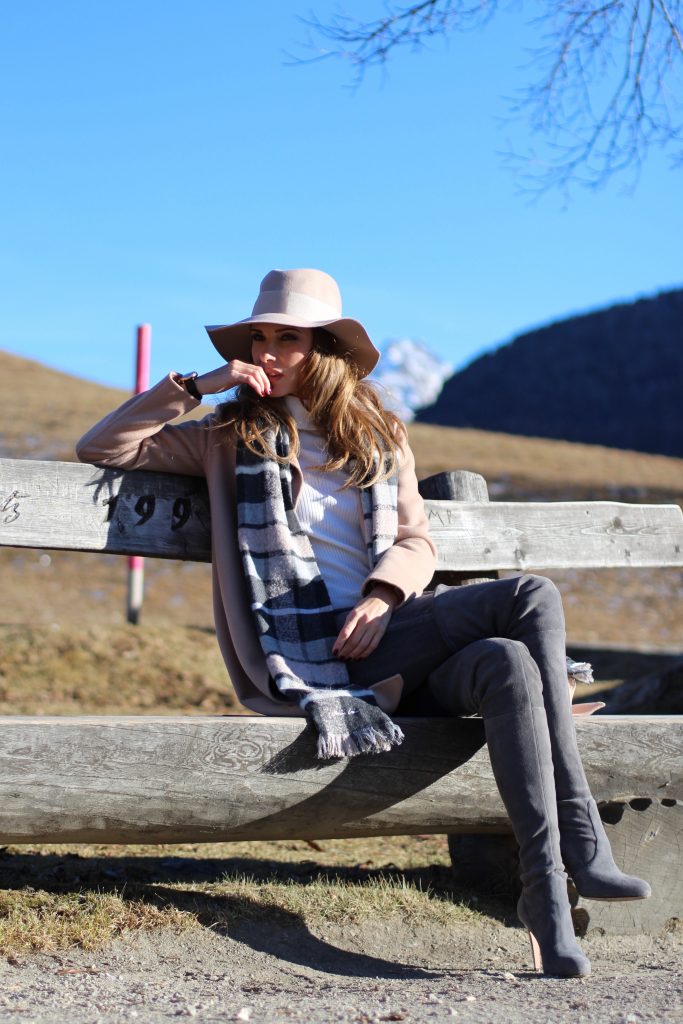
[
  {"x": 457, "y": 485},
  {"x": 136, "y": 564}
]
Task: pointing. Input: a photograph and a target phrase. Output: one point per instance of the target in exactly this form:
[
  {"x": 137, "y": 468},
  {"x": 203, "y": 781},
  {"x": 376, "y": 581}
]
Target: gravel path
[{"x": 365, "y": 974}]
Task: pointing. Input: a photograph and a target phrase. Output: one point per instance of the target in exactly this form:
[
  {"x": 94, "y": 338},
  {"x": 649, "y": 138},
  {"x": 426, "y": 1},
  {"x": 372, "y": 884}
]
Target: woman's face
[{"x": 280, "y": 351}]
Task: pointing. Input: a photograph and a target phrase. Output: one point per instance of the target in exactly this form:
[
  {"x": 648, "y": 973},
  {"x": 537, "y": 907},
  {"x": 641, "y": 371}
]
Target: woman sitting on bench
[{"x": 321, "y": 553}]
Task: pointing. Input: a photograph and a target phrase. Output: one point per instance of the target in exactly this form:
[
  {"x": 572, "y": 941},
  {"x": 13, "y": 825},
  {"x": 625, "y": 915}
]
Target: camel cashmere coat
[{"x": 139, "y": 435}]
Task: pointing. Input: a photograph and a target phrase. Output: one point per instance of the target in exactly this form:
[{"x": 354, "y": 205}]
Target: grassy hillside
[
  {"x": 523, "y": 468},
  {"x": 48, "y": 411}
]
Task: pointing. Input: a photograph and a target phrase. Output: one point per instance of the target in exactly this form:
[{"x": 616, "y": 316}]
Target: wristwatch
[{"x": 188, "y": 382}]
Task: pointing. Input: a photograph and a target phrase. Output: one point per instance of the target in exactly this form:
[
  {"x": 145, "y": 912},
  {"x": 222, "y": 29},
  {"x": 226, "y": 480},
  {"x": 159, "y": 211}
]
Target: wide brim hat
[{"x": 298, "y": 298}]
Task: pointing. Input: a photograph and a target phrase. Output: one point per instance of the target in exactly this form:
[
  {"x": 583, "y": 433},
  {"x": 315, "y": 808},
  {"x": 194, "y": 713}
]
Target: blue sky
[{"x": 159, "y": 158}]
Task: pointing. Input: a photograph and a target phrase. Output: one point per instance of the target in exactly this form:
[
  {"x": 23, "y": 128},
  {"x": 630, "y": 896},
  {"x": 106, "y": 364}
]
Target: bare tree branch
[
  {"x": 603, "y": 82},
  {"x": 367, "y": 43}
]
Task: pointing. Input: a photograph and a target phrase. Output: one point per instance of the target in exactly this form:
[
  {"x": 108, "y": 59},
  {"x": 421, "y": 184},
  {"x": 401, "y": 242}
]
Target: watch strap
[{"x": 188, "y": 382}]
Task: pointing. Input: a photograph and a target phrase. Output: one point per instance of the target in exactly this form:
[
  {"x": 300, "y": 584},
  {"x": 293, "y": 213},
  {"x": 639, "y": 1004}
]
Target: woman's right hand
[{"x": 230, "y": 375}]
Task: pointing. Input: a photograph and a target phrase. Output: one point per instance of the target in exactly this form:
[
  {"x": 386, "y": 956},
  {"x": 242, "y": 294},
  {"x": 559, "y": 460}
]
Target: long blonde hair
[{"x": 362, "y": 437}]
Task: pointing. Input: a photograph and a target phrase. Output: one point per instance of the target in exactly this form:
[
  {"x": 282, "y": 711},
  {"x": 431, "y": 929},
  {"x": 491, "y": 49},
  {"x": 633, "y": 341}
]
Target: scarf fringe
[
  {"x": 366, "y": 740},
  {"x": 579, "y": 671}
]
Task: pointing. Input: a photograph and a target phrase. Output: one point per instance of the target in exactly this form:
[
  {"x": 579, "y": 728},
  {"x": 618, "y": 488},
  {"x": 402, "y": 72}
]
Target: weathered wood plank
[
  {"x": 79, "y": 507},
  {"x": 182, "y": 779},
  {"x": 646, "y": 841},
  {"x": 72, "y": 506},
  {"x": 557, "y": 535}
]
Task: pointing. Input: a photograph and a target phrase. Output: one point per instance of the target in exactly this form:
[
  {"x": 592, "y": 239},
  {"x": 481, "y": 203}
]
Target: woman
[{"x": 321, "y": 553}]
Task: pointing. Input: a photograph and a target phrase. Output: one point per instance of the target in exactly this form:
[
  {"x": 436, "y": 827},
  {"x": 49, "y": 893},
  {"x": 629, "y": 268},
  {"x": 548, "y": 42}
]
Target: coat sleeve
[
  {"x": 137, "y": 435},
  {"x": 409, "y": 564}
]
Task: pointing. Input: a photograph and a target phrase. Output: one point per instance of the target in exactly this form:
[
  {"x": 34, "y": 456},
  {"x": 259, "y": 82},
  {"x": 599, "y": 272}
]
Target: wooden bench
[{"x": 222, "y": 778}]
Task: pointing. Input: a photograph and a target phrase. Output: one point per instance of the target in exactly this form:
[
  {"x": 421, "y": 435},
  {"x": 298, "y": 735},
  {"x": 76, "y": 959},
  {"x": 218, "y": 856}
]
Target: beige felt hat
[{"x": 298, "y": 298}]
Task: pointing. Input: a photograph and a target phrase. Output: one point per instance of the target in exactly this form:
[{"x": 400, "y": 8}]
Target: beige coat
[{"x": 138, "y": 435}]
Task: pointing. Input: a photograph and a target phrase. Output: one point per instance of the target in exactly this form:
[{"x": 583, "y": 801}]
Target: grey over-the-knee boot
[
  {"x": 587, "y": 854},
  {"x": 498, "y": 679},
  {"x": 537, "y": 620}
]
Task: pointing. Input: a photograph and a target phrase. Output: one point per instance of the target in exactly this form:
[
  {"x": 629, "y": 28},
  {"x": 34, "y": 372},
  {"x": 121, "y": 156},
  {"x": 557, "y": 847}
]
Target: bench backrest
[{"x": 70, "y": 506}]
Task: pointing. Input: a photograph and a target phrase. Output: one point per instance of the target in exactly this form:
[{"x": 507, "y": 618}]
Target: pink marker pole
[{"x": 136, "y": 563}]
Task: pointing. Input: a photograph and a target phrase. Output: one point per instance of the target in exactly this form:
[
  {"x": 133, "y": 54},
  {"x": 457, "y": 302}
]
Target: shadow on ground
[{"x": 264, "y": 928}]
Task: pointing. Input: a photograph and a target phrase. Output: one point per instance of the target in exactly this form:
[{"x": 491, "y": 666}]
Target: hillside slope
[
  {"x": 47, "y": 412},
  {"x": 613, "y": 377}
]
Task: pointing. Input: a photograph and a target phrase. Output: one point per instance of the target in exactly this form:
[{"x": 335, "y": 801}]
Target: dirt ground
[{"x": 384, "y": 971}]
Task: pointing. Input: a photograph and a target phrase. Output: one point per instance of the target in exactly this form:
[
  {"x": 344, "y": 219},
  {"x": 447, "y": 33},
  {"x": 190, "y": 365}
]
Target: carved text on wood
[{"x": 9, "y": 509}]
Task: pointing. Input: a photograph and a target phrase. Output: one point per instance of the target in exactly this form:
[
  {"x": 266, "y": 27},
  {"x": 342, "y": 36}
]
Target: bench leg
[
  {"x": 646, "y": 836},
  {"x": 486, "y": 864}
]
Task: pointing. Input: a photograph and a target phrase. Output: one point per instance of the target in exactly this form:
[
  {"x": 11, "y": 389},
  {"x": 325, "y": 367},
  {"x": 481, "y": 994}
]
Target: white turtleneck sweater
[{"x": 330, "y": 516}]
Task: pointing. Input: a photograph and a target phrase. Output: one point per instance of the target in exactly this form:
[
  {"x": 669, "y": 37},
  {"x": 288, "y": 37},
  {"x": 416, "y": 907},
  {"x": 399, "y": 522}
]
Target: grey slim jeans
[{"x": 464, "y": 650}]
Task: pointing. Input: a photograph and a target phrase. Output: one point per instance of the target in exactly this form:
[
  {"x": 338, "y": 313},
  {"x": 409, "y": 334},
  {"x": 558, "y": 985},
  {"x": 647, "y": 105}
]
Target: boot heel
[
  {"x": 544, "y": 911},
  {"x": 535, "y": 952}
]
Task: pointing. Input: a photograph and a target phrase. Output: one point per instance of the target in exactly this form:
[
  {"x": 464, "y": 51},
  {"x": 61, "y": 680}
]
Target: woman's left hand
[{"x": 366, "y": 623}]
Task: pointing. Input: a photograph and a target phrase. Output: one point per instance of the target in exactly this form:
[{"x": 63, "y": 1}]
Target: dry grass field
[
  {"x": 86, "y": 896},
  {"x": 46, "y": 412},
  {"x": 66, "y": 649}
]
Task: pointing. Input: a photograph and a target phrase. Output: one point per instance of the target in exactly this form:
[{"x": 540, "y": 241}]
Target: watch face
[{"x": 188, "y": 382}]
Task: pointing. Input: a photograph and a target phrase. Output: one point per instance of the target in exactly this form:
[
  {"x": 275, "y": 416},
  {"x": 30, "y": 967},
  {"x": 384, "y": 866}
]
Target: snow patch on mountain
[{"x": 411, "y": 375}]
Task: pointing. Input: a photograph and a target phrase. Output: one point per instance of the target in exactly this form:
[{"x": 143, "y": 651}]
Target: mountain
[
  {"x": 612, "y": 377},
  {"x": 410, "y": 375}
]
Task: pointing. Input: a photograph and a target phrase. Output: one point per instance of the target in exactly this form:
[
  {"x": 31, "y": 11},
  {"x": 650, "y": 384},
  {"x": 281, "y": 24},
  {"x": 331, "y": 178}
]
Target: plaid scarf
[{"x": 294, "y": 617}]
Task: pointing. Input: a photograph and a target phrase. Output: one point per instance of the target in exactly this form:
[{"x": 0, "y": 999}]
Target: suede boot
[
  {"x": 498, "y": 679},
  {"x": 519, "y": 749},
  {"x": 587, "y": 854},
  {"x": 537, "y": 620},
  {"x": 543, "y": 908}
]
